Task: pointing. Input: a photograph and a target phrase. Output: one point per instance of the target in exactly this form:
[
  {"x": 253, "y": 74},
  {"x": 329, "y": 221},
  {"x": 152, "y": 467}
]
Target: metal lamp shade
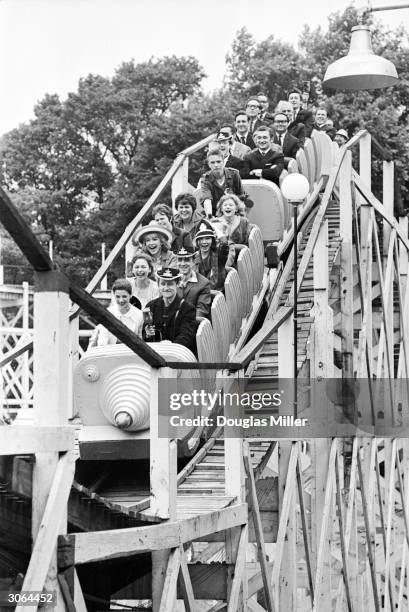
[{"x": 361, "y": 68}]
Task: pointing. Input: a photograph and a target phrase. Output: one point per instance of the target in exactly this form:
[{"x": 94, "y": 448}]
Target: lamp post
[
  {"x": 295, "y": 188},
  {"x": 361, "y": 68}
]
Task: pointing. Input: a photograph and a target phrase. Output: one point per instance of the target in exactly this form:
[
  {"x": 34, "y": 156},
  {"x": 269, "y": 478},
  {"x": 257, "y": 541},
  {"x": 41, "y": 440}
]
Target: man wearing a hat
[
  {"x": 172, "y": 317},
  {"x": 341, "y": 137},
  {"x": 194, "y": 287},
  {"x": 214, "y": 258}
]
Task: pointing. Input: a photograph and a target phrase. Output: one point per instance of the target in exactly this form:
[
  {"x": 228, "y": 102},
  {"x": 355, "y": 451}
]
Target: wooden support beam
[
  {"x": 186, "y": 583},
  {"x": 258, "y": 530},
  {"x": 287, "y": 589},
  {"x": 168, "y": 599},
  {"x": 55, "y": 509},
  {"x": 90, "y": 547},
  {"x": 22, "y": 235},
  {"x": 30, "y": 439},
  {"x": 237, "y": 585},
  {"x": 346, "y": 275}
]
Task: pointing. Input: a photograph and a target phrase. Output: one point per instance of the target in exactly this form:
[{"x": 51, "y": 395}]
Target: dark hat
[
  {"x": 185, "y": 253},
  {"x": 168, "y": 274},
  {"x": 152, "y": 228},
  {"x": 205, "y": 230},
  {"x": 222, "y": 136}
]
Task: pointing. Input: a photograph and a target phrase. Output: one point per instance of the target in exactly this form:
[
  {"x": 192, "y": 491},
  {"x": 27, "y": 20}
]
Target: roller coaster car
[{"x": 114, "y": 395}]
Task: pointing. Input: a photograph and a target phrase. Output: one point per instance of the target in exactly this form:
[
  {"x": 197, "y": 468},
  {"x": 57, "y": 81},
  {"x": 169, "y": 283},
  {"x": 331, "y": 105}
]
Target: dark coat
[
  {"x": 290, "y": 145},
  {"x": 297, "y": 130},
  {"x": 249, "y": 140},
  {"x": 271, "y": 164},
  {"x": 181, "y": 238},
  {"x": 211, "y": 190},
  {"x": 234, "y": 162},
  {"x": 198, "y": 294},
  {"x": 179, "y": 326},
  {"x": 328, "y": 128}
]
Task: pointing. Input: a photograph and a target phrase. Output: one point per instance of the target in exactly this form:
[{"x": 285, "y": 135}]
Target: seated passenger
[
  {"x": 294, "y": 98},
  {"x": 234, "y": 225},
  {"x": 218, "y": 181},
  {"x": 224, "y": 140},
  {"x": 323, "y": 123},
  {"x": 123, "y": 310},
  {"x": 193, "y": 287},
  {"x": 289, "y": 144},
  {"x": 162, "y": 214},
  {"x": 155, "y": 240},
  {"x": 143, "y": 287},
  {"x": 170, "y": 316},
  {"x": 243, "y": 134},
  {"x": 214, "y": 258},
  {"x": 341, "y": 137},
  {"x": 264, "y": 162},
  {"x": 302, "y": 125},
  {"x": 187, "y": 217},
  {"x": 265, "y": 117},
  {"x": 237, "y": 148}
]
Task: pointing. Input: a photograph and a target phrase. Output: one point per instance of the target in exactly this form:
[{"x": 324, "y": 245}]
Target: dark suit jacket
[
  {"x": 271, "y": 164},
  {"x": 297, "y": 130},
  {"x": 234, "y": 162},
  {"x": 267, "y": 119},
  {"x": 180, "y": 326},
  {"x": 198, "y": 294},
  {"x": 290, "y": 145},
  {"x": 249, "y": 140}
]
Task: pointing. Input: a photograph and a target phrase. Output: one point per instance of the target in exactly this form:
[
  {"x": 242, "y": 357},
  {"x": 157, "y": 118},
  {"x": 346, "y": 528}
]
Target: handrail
[{"x": 16, "y": 352}]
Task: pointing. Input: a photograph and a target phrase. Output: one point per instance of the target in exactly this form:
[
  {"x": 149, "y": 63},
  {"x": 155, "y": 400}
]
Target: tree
[{"x": 270, "y": 66}]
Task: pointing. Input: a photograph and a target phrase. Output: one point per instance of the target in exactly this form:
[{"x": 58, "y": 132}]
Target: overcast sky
[{"x": 47, "y": 45}]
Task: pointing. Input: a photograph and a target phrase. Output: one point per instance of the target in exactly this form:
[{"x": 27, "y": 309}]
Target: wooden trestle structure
[{"x": 279, "y": 524}]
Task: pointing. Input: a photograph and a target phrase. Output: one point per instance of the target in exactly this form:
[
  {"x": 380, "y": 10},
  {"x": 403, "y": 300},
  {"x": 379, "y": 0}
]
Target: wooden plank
[
  {"x": 345, "y": 568},
  {"x": 112, "y": 544},
  {"x": 304, "y": 524},
  {"x": 168, "y": 599},
  {"x": 45, "y": 542},
  {"x": 258, "y": 530},
  {"x": 248, "y": 352},
  {"x": 346, "y": 274},
  {"x": 22, "y": 235},
  {"x": 321, "y": 585},
  {"x": 22, "y": 347},
  {"x": 163, "y": 459},
  {"x": 185, "y": 583},
  {"x": 238, "y": 571},
  {"x": 30, "y": 439}
]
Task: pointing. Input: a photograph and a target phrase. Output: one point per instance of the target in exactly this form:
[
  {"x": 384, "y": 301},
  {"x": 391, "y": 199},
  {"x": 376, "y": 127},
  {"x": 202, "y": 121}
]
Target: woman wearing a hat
[
  {"x": 214, "y": 258},
  {"x": 155, "y": 240},
  {"x": 162, "y": 214},
  {"x": 173, "y": 318}
]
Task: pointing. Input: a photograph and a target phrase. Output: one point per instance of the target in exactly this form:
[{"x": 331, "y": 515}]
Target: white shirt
[{"x": 133, "y": 319}]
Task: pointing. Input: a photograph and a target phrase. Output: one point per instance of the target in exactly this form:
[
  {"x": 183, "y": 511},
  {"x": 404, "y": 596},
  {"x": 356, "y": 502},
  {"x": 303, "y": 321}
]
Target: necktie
[{"x": 243, "y": 140}]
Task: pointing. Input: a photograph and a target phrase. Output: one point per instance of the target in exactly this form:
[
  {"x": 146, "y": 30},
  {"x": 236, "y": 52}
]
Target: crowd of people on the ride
[{"x": 182, "y": 257}]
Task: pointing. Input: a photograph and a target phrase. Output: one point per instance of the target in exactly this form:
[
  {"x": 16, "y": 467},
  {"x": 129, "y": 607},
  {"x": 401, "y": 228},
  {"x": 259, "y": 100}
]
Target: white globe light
[{"x": 295, "y": 187}]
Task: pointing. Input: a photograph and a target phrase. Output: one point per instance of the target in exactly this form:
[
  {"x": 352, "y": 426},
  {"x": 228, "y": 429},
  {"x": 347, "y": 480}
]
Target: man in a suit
[
  {"x": 253, "y": 109},
  {"x": 265, "y": 117},
  {"x": 267, "y": 161},
  {"x": 294, "y": 98},
  {"x": 289, "y": 144},
  {"x": 243, "y": 134},
  {"x": 193, "y": 287}
]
